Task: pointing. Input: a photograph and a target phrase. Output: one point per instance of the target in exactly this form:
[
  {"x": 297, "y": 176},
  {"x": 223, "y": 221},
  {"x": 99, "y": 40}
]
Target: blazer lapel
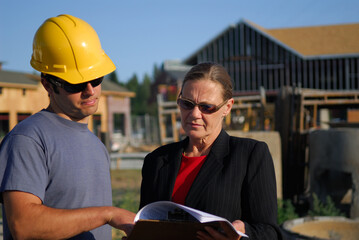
[
  {"x": 168, "y": 172},
  {"x": 212, "y": 166}
]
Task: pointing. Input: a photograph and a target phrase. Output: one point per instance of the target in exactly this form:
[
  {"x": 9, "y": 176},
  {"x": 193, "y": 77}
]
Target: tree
[
  {"x": 133, "y": 86},
  {"x": 144, "y": 90},
  {"x": 156, "y": 71},
  {"x": 132, "y": 83},
  {"x": 113, "y": 77},
  {"x": 144, "y": 93},
  {"x": 140, "y": 103}
]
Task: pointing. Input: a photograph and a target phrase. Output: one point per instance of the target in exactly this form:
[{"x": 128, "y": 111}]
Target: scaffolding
[{"x": 311, "y": 100}]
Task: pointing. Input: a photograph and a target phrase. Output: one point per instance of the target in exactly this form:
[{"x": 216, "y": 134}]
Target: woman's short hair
[{"x": 211, "y": 71}]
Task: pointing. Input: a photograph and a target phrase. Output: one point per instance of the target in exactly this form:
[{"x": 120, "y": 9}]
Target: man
[{"x": 54, "y": 173}]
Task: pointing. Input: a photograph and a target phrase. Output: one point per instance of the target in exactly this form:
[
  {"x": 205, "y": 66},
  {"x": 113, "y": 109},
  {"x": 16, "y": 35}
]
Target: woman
[{"x": 209, "y": 170}]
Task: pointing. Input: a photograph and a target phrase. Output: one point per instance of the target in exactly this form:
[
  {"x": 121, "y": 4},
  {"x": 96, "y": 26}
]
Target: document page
[{"x": 160, "y": 211}]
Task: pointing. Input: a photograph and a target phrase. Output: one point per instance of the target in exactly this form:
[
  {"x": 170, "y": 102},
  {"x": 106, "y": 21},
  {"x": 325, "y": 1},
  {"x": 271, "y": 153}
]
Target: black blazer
[{"x": 237, "y": 181}]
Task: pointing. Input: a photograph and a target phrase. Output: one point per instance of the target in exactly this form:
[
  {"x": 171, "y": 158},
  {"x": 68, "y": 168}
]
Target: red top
[{"x": 189, "y": 169}]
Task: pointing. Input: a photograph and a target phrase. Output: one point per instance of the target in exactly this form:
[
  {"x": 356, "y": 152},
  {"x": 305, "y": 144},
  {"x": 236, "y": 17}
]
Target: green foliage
[
  {"x": 139, "y": 104},
  {"x": 142, "y": 95},
  {"x": 113, "y": 77},
  {"x": 126, "y": 189},
  {"x": 324, "y": 209},
  {"x": 132, "y": 83},
  {"x": 286, "y": 211},
  {"x": 145, "y": 88},
  {"x": 128, "y": 201},
  {"x": 133, "y": 86},
  {"x": 156, "y": 71}
]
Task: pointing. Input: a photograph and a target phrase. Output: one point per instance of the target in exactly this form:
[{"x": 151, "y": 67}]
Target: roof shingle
[{"x": 318, "y": 40}]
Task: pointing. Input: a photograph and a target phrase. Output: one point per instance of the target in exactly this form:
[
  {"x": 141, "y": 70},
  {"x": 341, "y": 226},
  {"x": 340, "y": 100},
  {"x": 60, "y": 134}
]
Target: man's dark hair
[{"x": 46, "y": 77}]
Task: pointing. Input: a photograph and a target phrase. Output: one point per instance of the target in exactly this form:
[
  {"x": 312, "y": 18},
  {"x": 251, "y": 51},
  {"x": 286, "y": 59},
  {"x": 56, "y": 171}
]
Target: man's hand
[
  {"x": 122, "y": 219},
  {"x": 28, "y": 218}
]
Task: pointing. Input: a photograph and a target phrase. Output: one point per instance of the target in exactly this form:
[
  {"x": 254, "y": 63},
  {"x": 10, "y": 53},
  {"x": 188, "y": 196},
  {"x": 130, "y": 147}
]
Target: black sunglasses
[
  {"x": 74, "y": 88},
  {"x": 206, "y": 108}
]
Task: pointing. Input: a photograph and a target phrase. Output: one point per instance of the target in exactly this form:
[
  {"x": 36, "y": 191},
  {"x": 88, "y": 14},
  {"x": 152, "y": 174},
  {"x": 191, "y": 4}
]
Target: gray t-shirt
[{"x": 61, "y": 162}]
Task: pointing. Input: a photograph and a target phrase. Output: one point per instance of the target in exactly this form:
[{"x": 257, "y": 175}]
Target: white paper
[{"x": 158, "y": 211}]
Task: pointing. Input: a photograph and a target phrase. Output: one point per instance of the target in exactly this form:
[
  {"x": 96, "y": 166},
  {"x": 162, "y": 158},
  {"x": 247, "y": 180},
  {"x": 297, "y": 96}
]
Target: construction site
[
  {"x": 297, "y": 90},
  {"x": 313, "y": 137}
]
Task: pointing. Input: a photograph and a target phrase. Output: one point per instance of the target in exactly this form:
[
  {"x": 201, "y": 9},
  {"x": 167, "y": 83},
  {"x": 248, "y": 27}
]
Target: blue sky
[{"x": 137, "y": 34}]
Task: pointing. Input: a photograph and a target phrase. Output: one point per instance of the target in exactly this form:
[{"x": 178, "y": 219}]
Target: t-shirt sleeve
[{"x": 24, "y": 164}]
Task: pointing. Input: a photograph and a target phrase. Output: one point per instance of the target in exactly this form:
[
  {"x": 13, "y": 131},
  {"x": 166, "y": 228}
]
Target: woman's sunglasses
[
  {"x": 74, "y": 88},
  {"x": 206, "y": 108}
]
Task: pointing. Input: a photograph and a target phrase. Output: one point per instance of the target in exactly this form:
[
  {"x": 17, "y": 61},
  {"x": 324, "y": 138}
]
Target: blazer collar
[
  {"x": 169, "y": 170},
  {"x": 212, "y": 166}
]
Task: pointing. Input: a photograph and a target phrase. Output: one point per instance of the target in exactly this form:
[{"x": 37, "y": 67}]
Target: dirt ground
[{"x": 329, "y": 230}]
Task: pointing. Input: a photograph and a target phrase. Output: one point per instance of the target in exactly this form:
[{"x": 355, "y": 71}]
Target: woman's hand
[{"x": 212, "y": 234}]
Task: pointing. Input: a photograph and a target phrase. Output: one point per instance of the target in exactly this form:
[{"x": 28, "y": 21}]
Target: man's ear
[
  {"x": 50, "y": 88},
  {"x": 47, "y": 86}
]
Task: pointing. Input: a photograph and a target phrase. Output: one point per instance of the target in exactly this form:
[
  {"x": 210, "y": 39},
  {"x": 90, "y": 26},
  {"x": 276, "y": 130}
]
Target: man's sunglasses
[
  {"x": 73, "y": 88},
  {"x": 206, "y": 108}
]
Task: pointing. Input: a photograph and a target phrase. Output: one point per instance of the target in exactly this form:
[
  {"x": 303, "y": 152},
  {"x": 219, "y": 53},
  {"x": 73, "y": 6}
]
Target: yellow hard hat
[{"x": 69, "y": 48}]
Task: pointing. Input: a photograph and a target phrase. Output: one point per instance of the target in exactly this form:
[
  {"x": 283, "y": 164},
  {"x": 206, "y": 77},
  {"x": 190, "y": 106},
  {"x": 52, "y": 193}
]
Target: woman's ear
[{"x": 228, "y": 107}]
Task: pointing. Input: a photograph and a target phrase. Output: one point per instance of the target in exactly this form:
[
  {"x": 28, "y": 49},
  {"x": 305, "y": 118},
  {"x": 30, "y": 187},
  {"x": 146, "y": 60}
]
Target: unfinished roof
[
  {"x": 317, "y": 41},
  {"x": 330, "y": 41},
  {"x": 111, "y": 88},
  {"x": 23, "y": 80},
  {"x": 18, "y": 80}
]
